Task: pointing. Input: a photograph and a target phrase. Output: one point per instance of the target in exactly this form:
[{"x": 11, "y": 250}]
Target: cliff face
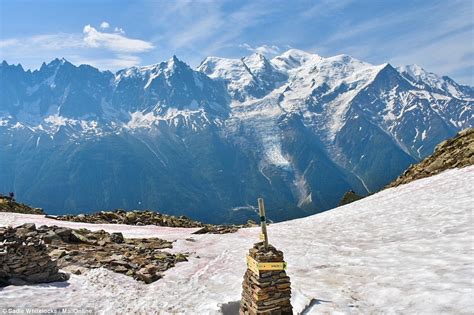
[{"x": 456, "y": 152}]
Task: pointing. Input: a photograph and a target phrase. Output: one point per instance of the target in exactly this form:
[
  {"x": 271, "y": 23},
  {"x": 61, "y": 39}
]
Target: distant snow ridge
[{"x": 300, "y": 126}]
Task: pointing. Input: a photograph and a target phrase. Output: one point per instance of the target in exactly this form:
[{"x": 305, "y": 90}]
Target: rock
[
  {"x": 349, "y": 197},
  {"x": 57, "y": 253},
  {"x": 131, "y": 216},
  {"x": 27, "y": 226},
  {"x": 50, "y": 237},
  {"x": 120, "y": 269},
  {"x": 116, "y": 237},
  {"x": 181, "y": 257},
  {"x": 77, "y": 250},
  {"x": 152, "y": 218},
  {"x": 13, "y": 206},
  {"x": 452, "y": 153},
  {"x": 147, "y": 277},
  {"x": 77, "y": 237}
]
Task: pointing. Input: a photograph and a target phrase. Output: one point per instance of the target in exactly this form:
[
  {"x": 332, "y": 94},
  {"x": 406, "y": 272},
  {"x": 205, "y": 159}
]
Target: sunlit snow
[{"x": 404, "y": 250}]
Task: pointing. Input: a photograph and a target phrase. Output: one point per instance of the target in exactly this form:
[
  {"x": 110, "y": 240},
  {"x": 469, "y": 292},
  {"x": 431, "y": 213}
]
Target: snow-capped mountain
[{"x": 300, "y": 128}]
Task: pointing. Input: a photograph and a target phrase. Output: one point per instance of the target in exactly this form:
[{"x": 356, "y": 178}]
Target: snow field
[{"x": 405, "y": 250}]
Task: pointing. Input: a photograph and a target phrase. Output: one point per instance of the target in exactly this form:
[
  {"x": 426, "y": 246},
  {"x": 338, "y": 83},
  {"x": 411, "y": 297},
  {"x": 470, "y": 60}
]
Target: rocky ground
[
  {"x": 148, "y": 217},
  {"x": 13, "y": 206},
  {"x": 349, "y": 197},
  {"x": 77, "y": 250},
  {"x": 456, "y": 152}
]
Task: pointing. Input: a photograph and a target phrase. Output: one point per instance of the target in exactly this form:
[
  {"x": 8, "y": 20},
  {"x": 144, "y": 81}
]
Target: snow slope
[{"x": 404, "y": 250}]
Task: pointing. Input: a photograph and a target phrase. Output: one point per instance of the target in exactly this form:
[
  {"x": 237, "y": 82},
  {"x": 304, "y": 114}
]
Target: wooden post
[{"x": 263, "y": 220}]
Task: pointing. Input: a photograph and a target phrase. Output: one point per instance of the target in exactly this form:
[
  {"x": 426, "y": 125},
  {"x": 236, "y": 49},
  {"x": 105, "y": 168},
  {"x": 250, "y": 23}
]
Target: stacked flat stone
[
  {"x": 268, "y": 292},
  {"x": 24, "y": 258}
]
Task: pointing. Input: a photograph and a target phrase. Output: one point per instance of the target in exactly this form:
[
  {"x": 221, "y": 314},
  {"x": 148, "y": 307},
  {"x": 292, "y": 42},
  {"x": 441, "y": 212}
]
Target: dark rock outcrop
[
  {"x": 349, "y": 197},
  {"x": 151, "y": 218},
  {"x": 456, "y": 152},
  {"x": 10, "y": 205}
]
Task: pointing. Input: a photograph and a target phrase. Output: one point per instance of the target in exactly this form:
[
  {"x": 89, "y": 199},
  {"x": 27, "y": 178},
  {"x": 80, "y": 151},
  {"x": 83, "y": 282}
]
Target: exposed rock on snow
[
  {"x": 349, "y": 197},
  {"x": 451, "y": 153},
  {"x": 148, "y": 217},
  {"x": 132, "y": 217},
  {"x": 9, "y": 205},
  {"x": 79, "y": 250}
]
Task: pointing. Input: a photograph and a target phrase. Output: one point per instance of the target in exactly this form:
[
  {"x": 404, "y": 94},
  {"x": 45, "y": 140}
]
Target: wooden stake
[{"x": 263, "y": 220}]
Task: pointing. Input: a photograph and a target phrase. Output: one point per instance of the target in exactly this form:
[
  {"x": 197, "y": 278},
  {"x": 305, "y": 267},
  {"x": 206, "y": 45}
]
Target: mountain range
[{"x": 299, "y": 130}]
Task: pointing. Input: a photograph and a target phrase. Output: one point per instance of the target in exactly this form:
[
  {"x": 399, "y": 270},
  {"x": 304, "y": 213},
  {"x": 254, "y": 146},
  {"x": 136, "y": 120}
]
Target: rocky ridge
[
  {"x": 456, "y": 152},
  {"x": 8, "y": 205},
  {"x": 349, "y": 197},
  {"x": 148, "y": 217}
]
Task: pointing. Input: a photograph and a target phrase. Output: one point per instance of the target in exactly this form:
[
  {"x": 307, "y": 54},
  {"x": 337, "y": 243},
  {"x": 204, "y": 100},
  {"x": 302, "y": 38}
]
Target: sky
[{"x": 115, "y": 34}]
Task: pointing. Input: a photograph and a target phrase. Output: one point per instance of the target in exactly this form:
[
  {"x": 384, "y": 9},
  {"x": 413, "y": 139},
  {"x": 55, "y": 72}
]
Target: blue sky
[{"x": 437, "y": 35}]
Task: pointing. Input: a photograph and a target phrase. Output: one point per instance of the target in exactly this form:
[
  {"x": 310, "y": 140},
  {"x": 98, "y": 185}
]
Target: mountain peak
[
  {"x": 256, "y": 61},
  {"x": 293, "y": 58},
  {"x": 296, "y": 53},
  {"x": 413, "y": 70},
  {"x": 173, "y": 60},
  {"x": 173, "y": 63},
  {"x": 6, "y": 65},
  {"x": 58, "y": 61},
  {"x": 55, "y": 63},
  {"x": 347, "y": 59}
]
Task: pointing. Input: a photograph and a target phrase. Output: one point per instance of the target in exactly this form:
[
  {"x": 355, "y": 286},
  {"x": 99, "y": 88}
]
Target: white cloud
[
  {"x": 440, "y": 42},
  {"x": 114, "y": 41},
  {"x": 268, "y": 50},
  {"x": 119, "y": 30},
  {"x": 8, "y": 42},
  {"x": 105, "y": 50},
  {"x": 104, "y": 25},
  {"x": 91, "y": 38},
  {"x": 325, "y": 7},
  {"x": 119, "y": 62},
  {"x": 206, "y": 26}
]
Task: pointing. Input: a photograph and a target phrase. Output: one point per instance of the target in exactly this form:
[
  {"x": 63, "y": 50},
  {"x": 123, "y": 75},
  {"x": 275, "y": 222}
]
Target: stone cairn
[
  {"x": 266, "y": 287},
  {"x": 24, "y": 258}
]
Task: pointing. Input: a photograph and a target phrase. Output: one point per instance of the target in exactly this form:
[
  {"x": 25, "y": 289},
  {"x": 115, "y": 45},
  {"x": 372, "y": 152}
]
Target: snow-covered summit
[
  {"x": 250, "y": 77},
  {"x": 293, "y": 58},
  {"x": 420, "y": 77}
]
